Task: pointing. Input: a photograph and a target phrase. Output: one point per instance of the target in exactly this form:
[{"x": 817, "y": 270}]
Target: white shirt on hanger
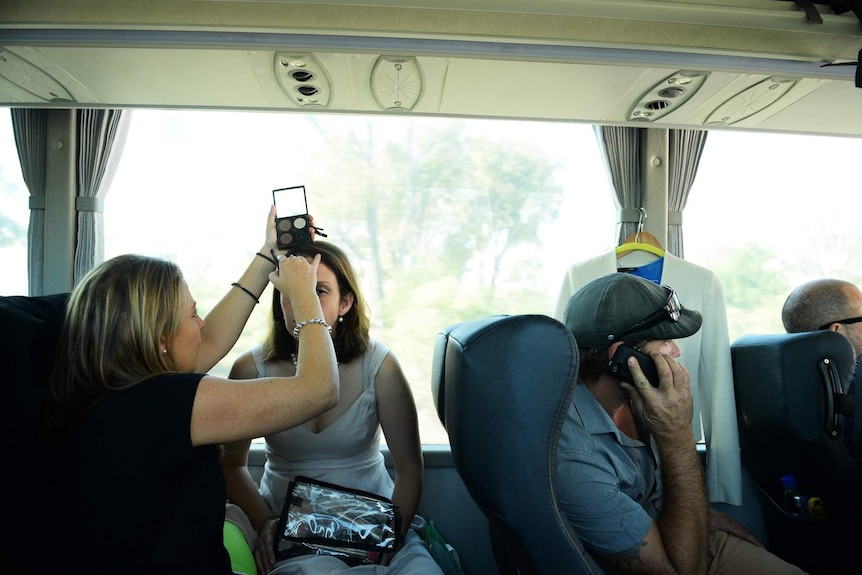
[{"x": 705, "y": 354}]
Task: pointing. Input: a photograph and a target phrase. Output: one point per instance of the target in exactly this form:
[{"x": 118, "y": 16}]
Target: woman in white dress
[{"x": 342, "y": 445}]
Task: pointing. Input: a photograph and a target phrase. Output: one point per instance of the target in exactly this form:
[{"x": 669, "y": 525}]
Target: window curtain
[
  {"x": 31, "y": 138},
  {"x": 621, "y": 149},
  {"x": 684, "y": 148},
  {"x": 101, "y": 138}
]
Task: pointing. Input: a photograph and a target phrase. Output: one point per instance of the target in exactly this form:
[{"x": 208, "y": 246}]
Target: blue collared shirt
[{"x": 608, "y": 484}]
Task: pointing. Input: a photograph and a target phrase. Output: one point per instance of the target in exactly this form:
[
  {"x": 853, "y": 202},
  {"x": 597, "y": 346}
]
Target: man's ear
[{"x": 613, "y": 348}]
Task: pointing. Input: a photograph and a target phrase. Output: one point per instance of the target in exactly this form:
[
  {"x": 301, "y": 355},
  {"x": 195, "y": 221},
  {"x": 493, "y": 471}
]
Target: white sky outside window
[{"x": 14, "y": 214}]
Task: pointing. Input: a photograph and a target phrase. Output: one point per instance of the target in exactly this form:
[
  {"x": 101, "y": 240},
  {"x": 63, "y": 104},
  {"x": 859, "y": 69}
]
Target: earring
[
  {"x": 164, "y": 352},
  {"x": 340, "y": 318}
]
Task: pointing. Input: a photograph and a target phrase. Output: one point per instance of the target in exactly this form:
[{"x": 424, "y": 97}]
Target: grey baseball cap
[{"x": 621, "y": 306}]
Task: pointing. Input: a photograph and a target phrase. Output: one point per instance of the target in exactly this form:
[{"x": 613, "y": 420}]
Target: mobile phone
[
  {"x": 618, "y": 366},
  {"x": 292, "y": 225}
]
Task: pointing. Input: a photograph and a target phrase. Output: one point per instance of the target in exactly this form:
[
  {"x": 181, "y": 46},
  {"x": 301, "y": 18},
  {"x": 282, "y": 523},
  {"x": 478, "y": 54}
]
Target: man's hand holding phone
[
  {"x": 666, "y": 408},
  {"x": 618, "y": 365}
]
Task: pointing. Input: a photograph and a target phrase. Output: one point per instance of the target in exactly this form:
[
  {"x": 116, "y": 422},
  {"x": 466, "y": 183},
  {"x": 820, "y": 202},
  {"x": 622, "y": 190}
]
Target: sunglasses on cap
[
  {"x": 847, "y": 321},
  {"x": 671, "y": 310}
]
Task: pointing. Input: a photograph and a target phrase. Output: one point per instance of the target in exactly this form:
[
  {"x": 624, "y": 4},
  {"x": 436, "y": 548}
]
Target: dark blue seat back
[
  {"x": 788, "y": 389},
  {"x": 30, "y": 329},
  {"x": 502, "y": 387}
]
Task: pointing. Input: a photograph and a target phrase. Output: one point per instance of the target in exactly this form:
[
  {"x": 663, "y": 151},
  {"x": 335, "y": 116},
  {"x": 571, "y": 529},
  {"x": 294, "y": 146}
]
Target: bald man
[{"x": 822, "y": 304}]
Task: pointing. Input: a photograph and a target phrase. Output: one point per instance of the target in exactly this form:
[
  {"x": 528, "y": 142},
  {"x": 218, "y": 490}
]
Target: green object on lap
[{"x": 241, "y": 558}]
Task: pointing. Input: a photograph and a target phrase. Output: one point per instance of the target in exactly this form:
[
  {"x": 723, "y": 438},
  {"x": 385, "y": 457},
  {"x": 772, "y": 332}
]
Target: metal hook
[{"x": 641, "y": 218}]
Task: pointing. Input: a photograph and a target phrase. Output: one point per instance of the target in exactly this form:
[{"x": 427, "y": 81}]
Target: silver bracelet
[{"x": 305, "y": 322}]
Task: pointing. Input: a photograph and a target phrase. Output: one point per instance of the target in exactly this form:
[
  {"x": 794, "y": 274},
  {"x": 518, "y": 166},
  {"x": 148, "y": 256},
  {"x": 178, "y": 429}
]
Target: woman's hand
[
  {"x": 386, "y": 558},
  {"x": 295, "y": 275},
  {"x": 264, "y": 549},
  {"x": 270, "y": 232}
]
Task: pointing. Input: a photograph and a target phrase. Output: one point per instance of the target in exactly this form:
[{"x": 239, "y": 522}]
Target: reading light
[
  {"x": 31, "y": 78},
  {"x": 397, "y": 82},
  {"x": 750, "y": 101}
]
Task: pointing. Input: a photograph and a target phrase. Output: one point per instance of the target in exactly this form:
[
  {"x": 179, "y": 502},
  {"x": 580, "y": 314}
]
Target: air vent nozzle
[
  {"x": 667, "y": 95},
  {"x": 303, "y": 79}
]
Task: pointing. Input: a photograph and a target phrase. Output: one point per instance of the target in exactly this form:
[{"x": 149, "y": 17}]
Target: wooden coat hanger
[{"x": 640, "y": 241}]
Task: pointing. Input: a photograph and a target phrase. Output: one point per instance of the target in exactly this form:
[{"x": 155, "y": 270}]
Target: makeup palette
[{"x": 292, "y": 225}]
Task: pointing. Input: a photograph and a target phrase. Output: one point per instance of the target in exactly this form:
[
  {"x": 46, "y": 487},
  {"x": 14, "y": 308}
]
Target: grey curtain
[
  {"x": 621, "y": 150},
  {"x": 31, "y": 137},
  {"x": 101, "y": 138},
  {"x": 684, "y": 150}
]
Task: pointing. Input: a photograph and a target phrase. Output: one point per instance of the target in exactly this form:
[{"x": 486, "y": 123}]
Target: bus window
[
  {"x": 15, "y": 215},
  {"x": 446, "y": 220},
  {"x": 768, "y": 212}
]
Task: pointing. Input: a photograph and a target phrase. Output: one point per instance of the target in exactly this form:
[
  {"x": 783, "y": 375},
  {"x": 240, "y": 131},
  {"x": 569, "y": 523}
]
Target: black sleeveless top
[{"x": 135, "y": 495}]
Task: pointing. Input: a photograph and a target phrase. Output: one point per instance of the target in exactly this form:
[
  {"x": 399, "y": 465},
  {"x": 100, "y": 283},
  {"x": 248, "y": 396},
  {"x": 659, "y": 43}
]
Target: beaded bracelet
[
  {"x": 305, "y": 322},
  {"x": 251, "y": 295}
]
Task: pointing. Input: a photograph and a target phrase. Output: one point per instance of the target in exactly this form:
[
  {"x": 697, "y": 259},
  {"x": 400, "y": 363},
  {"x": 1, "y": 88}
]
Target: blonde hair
[{"x": 111, "y": 337}]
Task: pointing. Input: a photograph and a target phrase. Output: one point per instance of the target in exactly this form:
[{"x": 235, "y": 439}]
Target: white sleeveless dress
[{"x": 347, "y": 452}]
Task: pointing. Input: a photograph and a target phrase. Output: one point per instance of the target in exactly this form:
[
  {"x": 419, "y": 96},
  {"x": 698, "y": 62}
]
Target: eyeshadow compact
[{"x": 292, "y": 225}]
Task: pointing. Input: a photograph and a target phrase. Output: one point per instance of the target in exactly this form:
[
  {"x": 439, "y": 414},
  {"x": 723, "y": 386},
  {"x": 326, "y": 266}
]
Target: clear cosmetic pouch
[{"x": 326, "y": 519}]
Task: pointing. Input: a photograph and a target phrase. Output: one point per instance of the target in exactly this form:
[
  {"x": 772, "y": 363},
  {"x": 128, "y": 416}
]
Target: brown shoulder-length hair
[
  {"x": 351, "y": 337},
  {"x": 110, "y": 340}
]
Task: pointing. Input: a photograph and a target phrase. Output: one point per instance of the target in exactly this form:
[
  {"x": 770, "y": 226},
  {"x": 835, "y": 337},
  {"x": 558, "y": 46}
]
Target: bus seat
[
  {"x": 789, "y": 395},
  {"x": 502, "y": 386},
  {"x": 30, "y": 329}
]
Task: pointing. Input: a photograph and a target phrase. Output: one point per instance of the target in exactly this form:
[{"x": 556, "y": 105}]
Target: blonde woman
[{"x": 137, "y": 422}]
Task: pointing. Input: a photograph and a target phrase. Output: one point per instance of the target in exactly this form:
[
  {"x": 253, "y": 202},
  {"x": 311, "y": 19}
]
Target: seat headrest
[
  {"x": 778, "y": 381},
  {"x": 503, "y": 385}
]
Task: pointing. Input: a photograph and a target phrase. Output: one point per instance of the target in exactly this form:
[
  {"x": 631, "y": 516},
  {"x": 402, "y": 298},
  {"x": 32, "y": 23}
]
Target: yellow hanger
[
  {"x": 648, "y": 243},
  {"x": 640, "y": 240}
]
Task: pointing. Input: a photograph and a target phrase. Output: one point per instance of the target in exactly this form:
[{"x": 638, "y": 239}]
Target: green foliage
[
  {"x": 424, "y": 204},
  {"x": 750, "y": 275},
  {"x": 755, "y": 288}
]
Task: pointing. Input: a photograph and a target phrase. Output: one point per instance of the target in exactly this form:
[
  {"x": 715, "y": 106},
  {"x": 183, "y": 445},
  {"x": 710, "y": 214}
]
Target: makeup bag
[{"x": 322, "y": 518}]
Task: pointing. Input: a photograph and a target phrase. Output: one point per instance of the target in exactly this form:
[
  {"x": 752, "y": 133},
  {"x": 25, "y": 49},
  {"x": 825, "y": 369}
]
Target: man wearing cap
[{"x": 628, "y": 475}]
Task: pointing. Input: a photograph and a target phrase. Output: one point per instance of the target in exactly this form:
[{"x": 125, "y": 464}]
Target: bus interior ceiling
[{"x": 699, "y": 65}]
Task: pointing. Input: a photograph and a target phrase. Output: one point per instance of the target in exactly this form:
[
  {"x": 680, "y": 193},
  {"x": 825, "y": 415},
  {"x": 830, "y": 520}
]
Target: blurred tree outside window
[{"x": 445, "y": 220}]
